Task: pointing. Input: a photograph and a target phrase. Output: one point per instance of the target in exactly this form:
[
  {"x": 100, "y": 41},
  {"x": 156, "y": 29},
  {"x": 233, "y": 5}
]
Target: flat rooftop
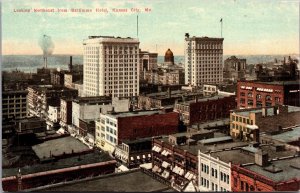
[
  {"x": 55, "y": 147},
  {"x": 286, "y": 169},
  {"x": 96, "y": 99},
  {"x": 246, "y": 154},
  {"x": 206, "y": 148},
  {"x": 89, "y": 158},
  {"x": 134, "y": 113},
  {"x": 204, "y": 99},
  {"x": 270, "y": 111},
  {"x": 211, "y": 124},
  {"x": 288, "y": 136},
  {"x": 274, "y": 82},
  {"x": 130, "y": 181},
  {"x": 174, "y": 94}
]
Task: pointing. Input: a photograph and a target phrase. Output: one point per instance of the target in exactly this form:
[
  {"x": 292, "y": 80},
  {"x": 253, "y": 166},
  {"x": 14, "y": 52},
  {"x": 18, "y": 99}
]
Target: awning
[
  {"x": 165, "y": 164},
  {"x": 153, "y": 148},
  {"x": 187, "y": 175},
  {"x": 155, "y": 168},
  {"x": 190, "y": 176},
  {"x": 174, "y": 169},
  {"x": 159, "y": 170},
  {"x": 163, "y": 152},
  {"x": 181, "y": 172}
]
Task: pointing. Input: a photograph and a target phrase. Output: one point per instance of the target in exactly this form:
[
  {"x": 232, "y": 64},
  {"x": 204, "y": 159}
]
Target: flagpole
[
  {"x": 137, "y": 25},
  {"x": 221, "y": 26}
]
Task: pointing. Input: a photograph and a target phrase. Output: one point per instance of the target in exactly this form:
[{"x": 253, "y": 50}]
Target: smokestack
[
  {"x": 45, "y": 62},
  {"x": 47, "y": 46},
  {"x": 71, "y": 64}
]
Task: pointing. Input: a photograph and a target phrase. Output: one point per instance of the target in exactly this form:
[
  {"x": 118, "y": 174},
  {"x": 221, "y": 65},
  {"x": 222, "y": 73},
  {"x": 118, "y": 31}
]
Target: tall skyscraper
[
  {"x": 203, "y": 60},
  {"x": 111, "y": 66}
]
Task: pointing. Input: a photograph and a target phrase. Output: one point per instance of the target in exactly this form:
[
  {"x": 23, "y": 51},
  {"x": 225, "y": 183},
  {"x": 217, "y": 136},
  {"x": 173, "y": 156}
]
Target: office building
[
  {"x": 111, "y": 66},
  {"x": 203, "y": 60}
]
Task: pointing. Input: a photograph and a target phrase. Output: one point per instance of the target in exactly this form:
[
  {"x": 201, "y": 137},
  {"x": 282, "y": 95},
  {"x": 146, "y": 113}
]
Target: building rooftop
[
  {"x": 211, "y": 124},
  {"x": 174, "y": 94},
  {"x": 279, "y": 170},
  {"x": 129, "y": 181},
  {"x": 270, "y": 111},
  {"x": 134, "y": 113},
  {"x": 204, "y": 99},
  {"x": 56, "y": 147},
  {"x": 89, "y": 158},
  {"x": 137, "y": 140},
  {"x": 92, "y": 100},
  {"x": 216, "y": 140},
  {"x": 288, "y": 136},
  {"x": 294, "y": 82},
  {"x": 209, "y": 147},
  {"x": 246, "y": 154},
  {"x": 204, "y": 38}
]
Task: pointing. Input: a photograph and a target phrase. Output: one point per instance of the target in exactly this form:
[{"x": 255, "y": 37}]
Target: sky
[{"x": 250, "y": 27}]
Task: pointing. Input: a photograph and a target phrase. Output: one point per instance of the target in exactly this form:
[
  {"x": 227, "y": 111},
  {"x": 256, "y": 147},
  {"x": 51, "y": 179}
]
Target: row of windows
[
  {"x": 241, "y": 119},
  {"x": 111, "y": 130},
  {"x": 111, "y": 139},
  {"x": 111, "y": 123},
  {"x": 224, "y": 177},
  {"x": 204, "y": 168}
]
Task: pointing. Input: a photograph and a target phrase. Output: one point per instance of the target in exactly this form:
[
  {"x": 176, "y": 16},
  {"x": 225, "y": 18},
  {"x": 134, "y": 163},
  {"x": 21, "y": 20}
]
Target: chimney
[
  {"x": 71, "y": 64},
  {"x": 187, "y": 35},
  {"x": 45, "y": 62},
  {"x": 265, "y": 112},
  {"x": 256, "y": 135},
  {"x": 261, "y": 158}
]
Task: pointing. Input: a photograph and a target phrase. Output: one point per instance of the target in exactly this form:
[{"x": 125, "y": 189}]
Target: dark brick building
[
  {"x": 205, "y": 109},
  {"x": 114, "y": 128},
  {"x": 252, "y": 94},
  {"x": 65, "y": 111},
  {"x": 279, "y": 175}
]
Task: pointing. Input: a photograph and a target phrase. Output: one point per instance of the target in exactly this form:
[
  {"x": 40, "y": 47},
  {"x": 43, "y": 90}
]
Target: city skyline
[{"x": 249, "y": 27}]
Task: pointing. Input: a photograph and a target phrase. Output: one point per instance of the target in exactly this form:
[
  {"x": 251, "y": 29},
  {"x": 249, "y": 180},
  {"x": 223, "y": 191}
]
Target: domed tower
[{"x": 169, "y": 57}]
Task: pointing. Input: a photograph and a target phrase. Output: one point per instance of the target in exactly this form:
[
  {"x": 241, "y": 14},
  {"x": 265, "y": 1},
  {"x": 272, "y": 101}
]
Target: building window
[
  {"x": 242, "y": 101},
  {"x": 258, "y": 96},
  {"x": 235, "y": 182},
  {"x": 242, "y": 185},
  {"x": 212, "y": 172},
  {"x": 268, "y": 98},
  {"x": 250, "y": 94},
  {"x": 242, "y": 94},
  {"x": 216, "y": 173}
]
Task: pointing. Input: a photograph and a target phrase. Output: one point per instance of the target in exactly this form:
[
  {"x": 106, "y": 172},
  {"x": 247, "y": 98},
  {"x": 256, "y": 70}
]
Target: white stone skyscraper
[
  {"x": 111, "y": 66},
  {"x": 203, "y": 60}
]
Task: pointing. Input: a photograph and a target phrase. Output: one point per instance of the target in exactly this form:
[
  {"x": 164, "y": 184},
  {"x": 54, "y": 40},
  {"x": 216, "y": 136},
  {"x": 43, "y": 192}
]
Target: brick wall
[
  {"x": 147, "y": 126},
  {"x": 211, "y": 109}
]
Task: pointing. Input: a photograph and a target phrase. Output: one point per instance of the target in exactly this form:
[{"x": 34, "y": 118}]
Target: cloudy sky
[{"x": 249, "y": 26}]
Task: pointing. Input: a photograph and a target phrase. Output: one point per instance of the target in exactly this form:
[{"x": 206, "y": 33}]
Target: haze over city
[{"x": 249, "y": 27}]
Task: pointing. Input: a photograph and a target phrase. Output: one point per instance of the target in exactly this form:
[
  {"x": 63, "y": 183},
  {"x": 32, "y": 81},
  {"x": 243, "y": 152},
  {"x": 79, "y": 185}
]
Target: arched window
[
  {"x": 268, "y": 98},
  {"x": 258, "y": 96}
]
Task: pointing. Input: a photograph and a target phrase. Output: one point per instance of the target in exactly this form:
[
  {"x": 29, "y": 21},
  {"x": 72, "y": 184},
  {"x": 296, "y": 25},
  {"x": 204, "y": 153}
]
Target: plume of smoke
[{"x": 47, "y": 45}]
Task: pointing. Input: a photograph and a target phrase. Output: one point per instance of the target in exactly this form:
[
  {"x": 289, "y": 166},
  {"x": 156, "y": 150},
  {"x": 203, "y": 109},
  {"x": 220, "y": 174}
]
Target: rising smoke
[{"x": 47, "y": 45}]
